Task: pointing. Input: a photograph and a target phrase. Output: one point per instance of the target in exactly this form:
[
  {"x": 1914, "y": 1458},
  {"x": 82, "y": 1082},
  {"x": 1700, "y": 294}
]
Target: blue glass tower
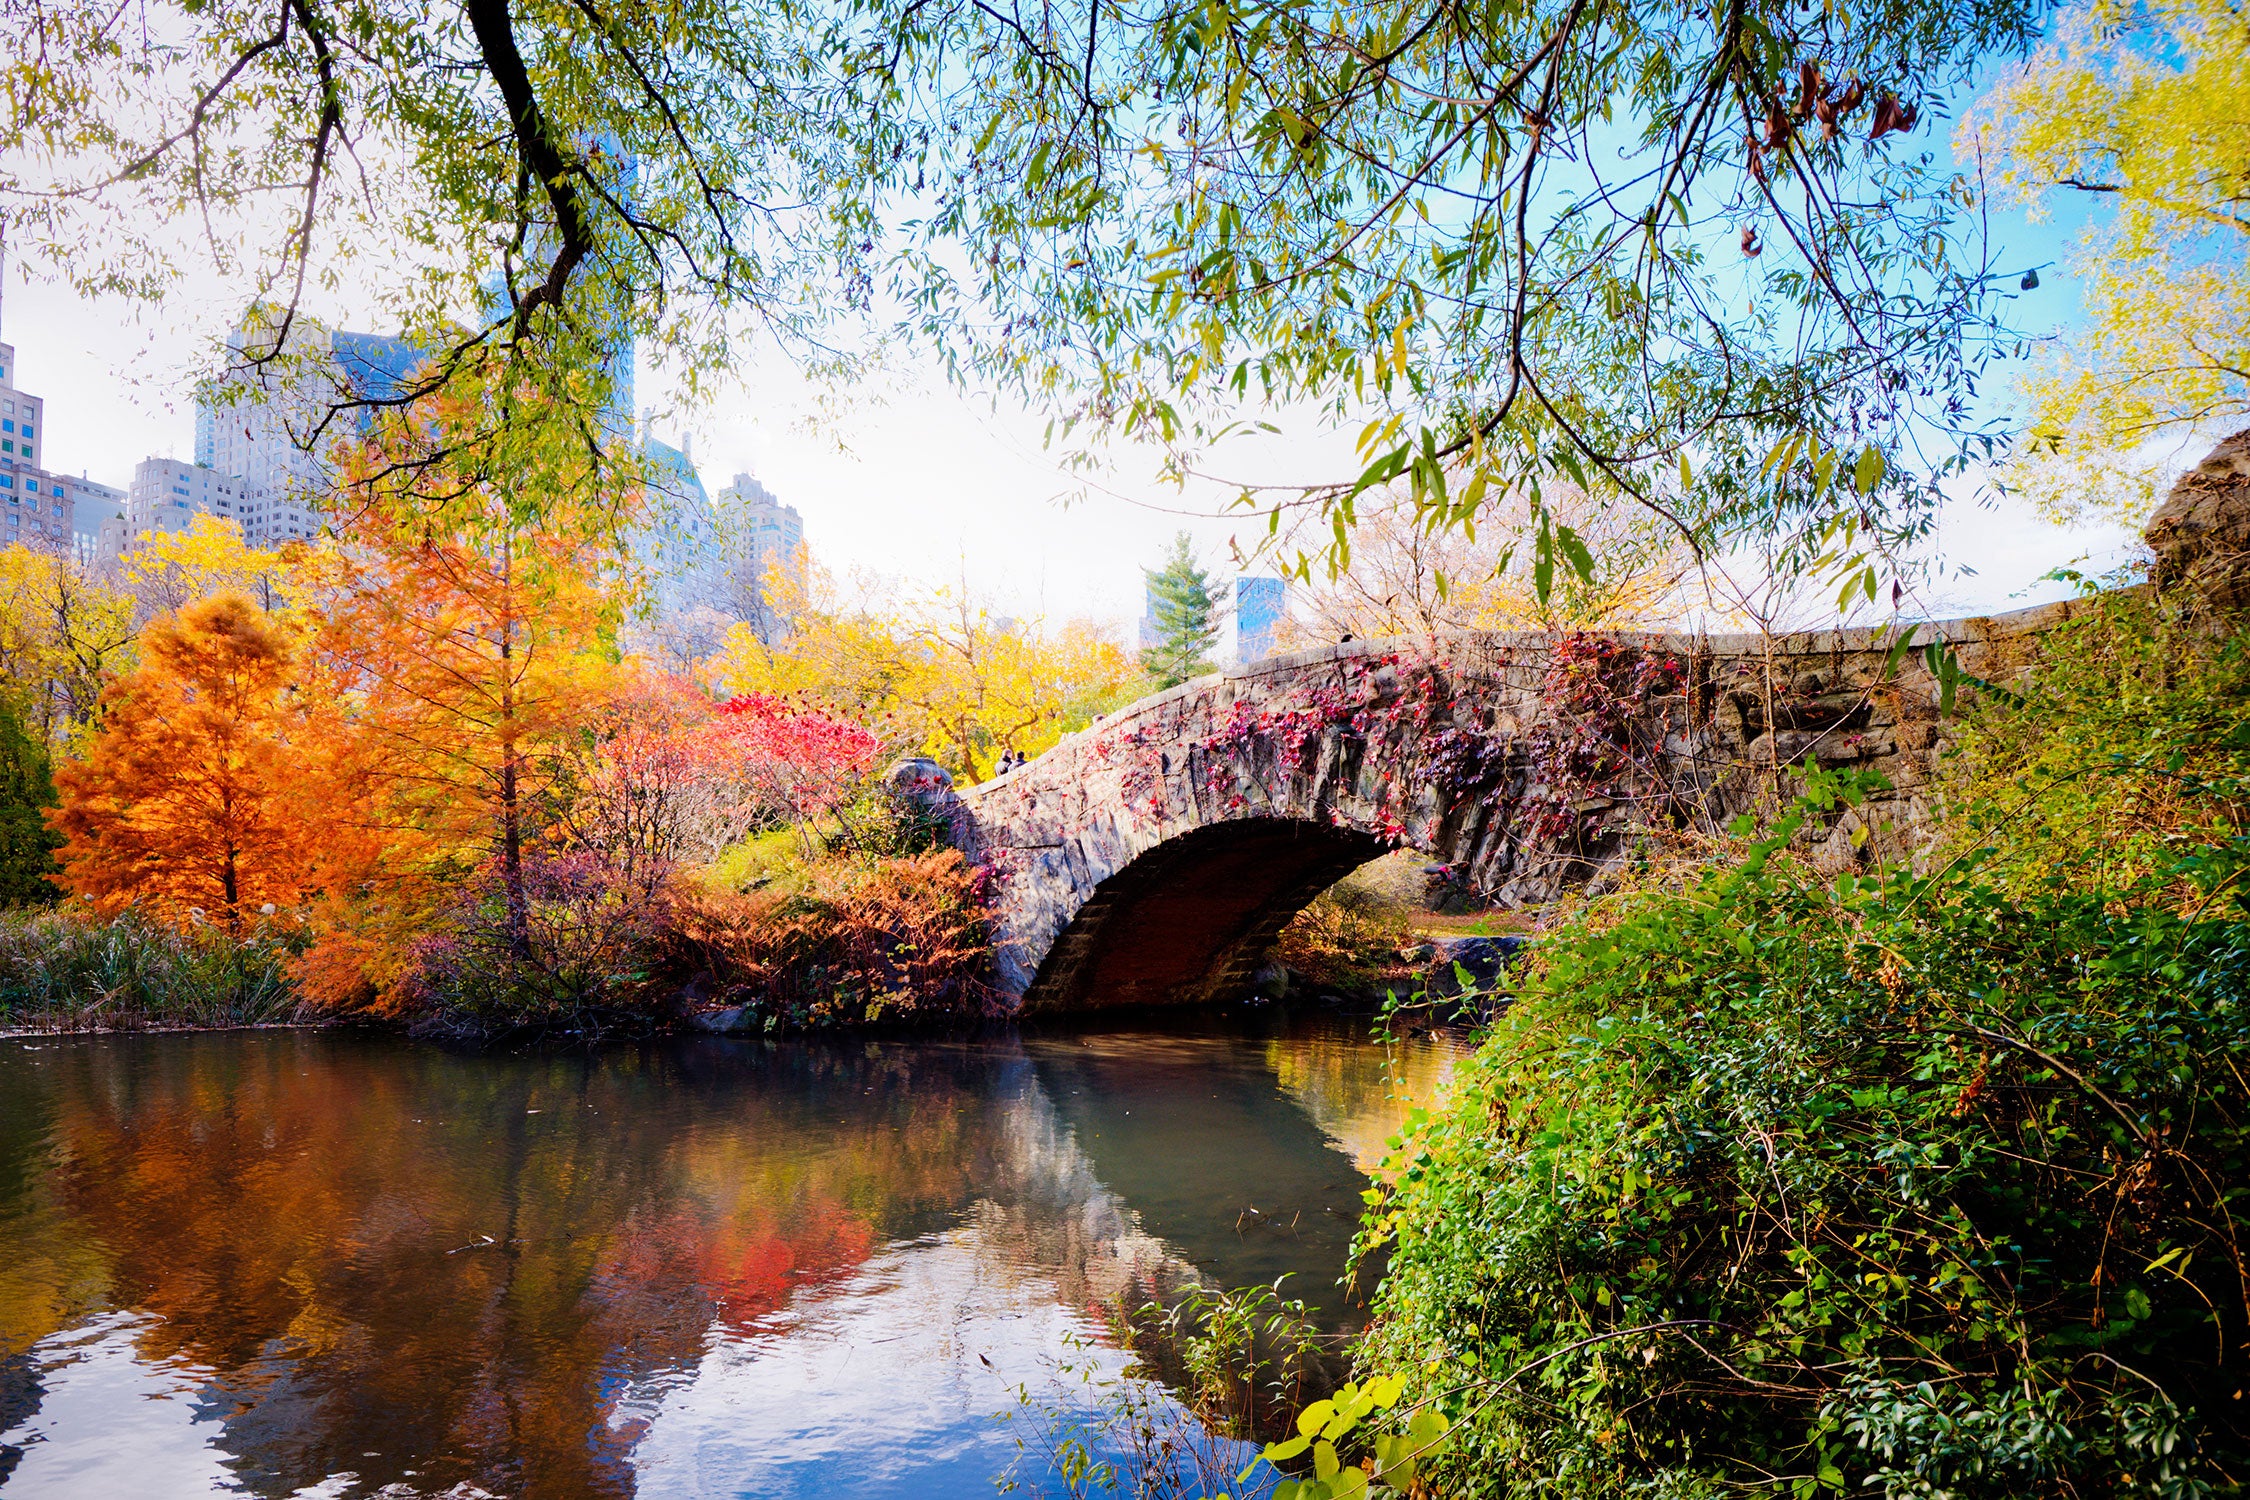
[{"x": 1258, "y": 607}]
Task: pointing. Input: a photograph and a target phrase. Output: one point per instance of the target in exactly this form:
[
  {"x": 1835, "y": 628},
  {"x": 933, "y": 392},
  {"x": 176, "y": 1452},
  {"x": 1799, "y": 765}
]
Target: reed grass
[{"x": 64, "y": 971}]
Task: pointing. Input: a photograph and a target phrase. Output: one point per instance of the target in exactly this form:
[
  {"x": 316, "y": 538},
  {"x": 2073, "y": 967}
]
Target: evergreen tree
[
  {"x": 1179, "y": 602},
  {"x": 27, "y": 789}
]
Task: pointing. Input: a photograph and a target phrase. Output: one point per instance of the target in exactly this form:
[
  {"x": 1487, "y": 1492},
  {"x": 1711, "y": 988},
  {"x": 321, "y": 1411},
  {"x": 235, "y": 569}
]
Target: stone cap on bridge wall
[
  {"x": 2201, "y": 535},
  {"x": 1733, "y": 646}
]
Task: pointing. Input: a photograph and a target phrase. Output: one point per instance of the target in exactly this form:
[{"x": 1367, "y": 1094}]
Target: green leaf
[
  {"x": 1575, "y": 549},
  {"x": 1868, "y": 472}
]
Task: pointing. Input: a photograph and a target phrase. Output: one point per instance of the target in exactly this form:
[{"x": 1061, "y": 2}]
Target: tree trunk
[
  {"x": 228, "y": 884},
  {"x": 511, "y": 805},
  {"x": 511, "y": 859}
]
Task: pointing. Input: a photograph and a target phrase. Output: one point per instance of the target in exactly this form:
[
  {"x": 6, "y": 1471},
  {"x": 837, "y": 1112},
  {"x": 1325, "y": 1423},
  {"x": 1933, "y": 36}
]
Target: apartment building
[
  {"x": 35, "y": 506},
  {"x": 168, "y": 493}
]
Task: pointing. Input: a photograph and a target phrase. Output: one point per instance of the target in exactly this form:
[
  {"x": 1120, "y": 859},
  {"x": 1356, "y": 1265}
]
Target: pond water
[{"x": 305, "y": 1263}]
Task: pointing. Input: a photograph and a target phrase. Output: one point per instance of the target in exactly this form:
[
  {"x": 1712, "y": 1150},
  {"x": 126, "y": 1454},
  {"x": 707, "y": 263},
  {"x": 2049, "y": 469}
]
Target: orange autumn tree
[
  {"x": 185, "y": 804},
  {"x": 464, "y": 642}
]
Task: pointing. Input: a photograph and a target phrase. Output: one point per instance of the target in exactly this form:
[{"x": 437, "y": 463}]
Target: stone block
[{"x": 1483, "y": 959}]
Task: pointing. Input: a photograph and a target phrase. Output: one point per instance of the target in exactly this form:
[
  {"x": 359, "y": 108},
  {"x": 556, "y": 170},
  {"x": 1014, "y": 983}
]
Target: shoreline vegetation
[
  {"x": 1923, "y": 1174},
  {"x": 1923, "y": 1177},
  {"x": 1917, "y": 1179},
  {"x": 787, "y": 932}
]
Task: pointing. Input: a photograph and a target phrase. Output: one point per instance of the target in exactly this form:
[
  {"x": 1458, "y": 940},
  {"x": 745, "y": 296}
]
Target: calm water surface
[{"x": 306, "y": 1264}]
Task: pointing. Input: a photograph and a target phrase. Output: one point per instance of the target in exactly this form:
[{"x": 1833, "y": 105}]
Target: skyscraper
[
  {"x": 35, "y": 508},
  {"x": 270, "y": 421},
  {"x": 1259, "y": 605},
  {"x": 761, "y": 536},
  {"x": 678, "y": 538}
]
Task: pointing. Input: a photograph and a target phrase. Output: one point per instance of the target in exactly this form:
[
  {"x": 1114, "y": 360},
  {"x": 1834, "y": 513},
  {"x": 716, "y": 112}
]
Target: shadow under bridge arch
[{"x": 1190, "y": 919}]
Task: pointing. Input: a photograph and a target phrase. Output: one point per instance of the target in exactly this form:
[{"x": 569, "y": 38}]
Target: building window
[{"x": 27, "y": 429}]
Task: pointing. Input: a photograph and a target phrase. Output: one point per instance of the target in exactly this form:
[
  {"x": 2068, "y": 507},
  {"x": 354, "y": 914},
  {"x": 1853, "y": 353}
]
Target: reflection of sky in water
[
  {"x": 298, "y": 1266},
  {"x": 879, "y": 1386},
  {"x": 110, "y": 1424},
  {"x": 896, "y": 1355}
]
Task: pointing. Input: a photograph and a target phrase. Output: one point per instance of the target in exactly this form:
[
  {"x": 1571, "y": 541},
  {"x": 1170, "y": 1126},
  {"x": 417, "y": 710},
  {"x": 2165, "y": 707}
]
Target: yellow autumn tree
[
  {"x": 65, "y": 631},
  {"x": 2142, "y": 112},
  {"x": 168, "y": 570},
  {"x": 187, "y": 804},
  {"x": 941, "y": 671}
]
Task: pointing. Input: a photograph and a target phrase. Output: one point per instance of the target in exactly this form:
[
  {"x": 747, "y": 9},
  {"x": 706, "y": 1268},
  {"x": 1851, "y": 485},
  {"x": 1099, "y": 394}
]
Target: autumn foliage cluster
[{"x": 418, "y": 751}]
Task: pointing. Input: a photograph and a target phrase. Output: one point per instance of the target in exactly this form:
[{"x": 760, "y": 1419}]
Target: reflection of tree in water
[
  {"x": 1360, "y": 1095},
  {"x": 399, "y": 1260},
  {"x": 1216, "y": 1160},
  {"x": 385, "y": 1250}
]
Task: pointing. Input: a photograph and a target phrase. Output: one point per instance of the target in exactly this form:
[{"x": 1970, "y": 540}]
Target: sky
[{"x": 916, "y": 483}]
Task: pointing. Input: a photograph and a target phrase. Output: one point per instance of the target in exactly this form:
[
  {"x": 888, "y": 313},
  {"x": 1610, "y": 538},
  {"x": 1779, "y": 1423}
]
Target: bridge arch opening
[{"x": 1190, "y": 920}]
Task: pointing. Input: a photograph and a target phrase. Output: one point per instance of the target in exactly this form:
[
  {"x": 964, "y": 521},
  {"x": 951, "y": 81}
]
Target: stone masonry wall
[
  {"x": 1153, "y": 857},
  {"x": 1528, "y": 761}
]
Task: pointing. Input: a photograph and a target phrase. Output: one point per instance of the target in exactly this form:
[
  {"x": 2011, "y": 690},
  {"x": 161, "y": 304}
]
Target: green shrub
[
  {"x": 63, "y": 971},
  {"x": 27, "y": 790},
  {"x": 1905, "y": 1183},
  {"x": 2128, "y": 747}
]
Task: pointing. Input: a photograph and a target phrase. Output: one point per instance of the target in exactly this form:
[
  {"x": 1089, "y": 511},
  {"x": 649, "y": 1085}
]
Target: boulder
[
  {"x": 720, "y": 1022},
  {"x": 923, "y": 790},
  {"x": 2201, "y": 533},
  {"x": 1270, "y": 982},
  {"x": 921, "y": 782},
  {"x": 1483, "y": 959}
]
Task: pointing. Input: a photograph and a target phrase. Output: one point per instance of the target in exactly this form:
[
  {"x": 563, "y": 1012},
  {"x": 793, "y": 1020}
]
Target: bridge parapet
[{"x": 1154, "y": 857}]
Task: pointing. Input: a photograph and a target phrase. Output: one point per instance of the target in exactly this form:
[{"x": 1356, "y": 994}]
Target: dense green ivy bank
[{"x": 1915, "y": 1182}]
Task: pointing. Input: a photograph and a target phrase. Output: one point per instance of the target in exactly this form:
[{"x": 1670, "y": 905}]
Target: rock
[
  {"x": 923, "y": 790},
  {"x": 1483, "y": 959},
  {"x": 921, "y": 781},
  {"x": 1839, "y": 851},
  {"x": 2201, "y": 533},
  {"x": 1270, "y": 982},
  {"x": 721, "y": 1021}
]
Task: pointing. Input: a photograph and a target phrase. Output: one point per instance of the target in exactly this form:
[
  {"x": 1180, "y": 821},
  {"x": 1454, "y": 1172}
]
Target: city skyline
[{"x": 908, "y": 480}]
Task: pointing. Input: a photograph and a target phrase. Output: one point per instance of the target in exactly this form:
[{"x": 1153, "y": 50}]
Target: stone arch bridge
[{"x": 1154, "y": 857}]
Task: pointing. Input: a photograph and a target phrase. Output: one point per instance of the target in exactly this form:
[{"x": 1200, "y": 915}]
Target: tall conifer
[
  {"x": 186, "y": 802},
  {"x": 1180, "y": 606}
]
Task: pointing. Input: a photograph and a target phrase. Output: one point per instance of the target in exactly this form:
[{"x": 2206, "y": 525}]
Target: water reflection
[{"x": 289, "y": 1263}]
